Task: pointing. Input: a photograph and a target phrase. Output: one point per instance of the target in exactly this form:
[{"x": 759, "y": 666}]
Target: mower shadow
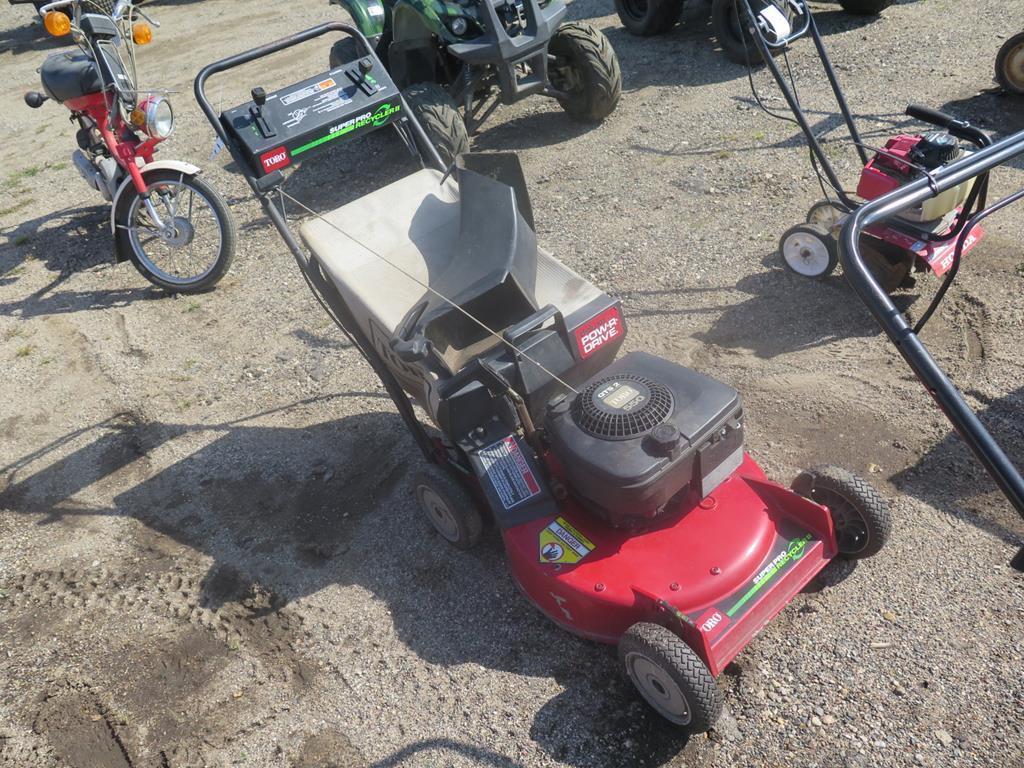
[
  {"x": 993, "y": 111},
  {"x": 973, "y": 497},
  {"x": 298, "y": 510}
]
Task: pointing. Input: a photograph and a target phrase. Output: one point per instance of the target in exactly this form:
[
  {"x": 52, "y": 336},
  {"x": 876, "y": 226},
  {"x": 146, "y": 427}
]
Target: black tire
[
  {"x": 653, "y": 658},
  {"x": 343, "y": 51},
  {"x": 860, "y": 515},
  {"x": 648, "y": 17},
  {"x": 587, "y": 69},
  {"x": 1010, "y": 65},
  {"x": 809, "y": 250},
  {"x": 449, "y": 507},
  {"x": 440, "y": 119},
  {"x": 735, "y": 39},
  {"x": 865, "y": 7},
  {"x": 129, "y": 248}
]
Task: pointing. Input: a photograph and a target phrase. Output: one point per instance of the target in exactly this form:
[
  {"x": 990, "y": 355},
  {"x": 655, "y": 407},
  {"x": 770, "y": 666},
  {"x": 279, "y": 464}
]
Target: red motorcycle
[{"x": 173, "y": 226}]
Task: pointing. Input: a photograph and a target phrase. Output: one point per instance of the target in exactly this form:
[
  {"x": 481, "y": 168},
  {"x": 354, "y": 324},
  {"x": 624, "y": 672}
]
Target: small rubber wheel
[
  {"x": 865, "y": 7},
  {"x": 736, "y": 40},
  {"x": 809, "y": 250},
  {"x": 449, "y": 507},
  {"x": 670, "y": 676},
  {"x": 585, "y": 68},
  {"x": 828, "y": 216},
  {"x": 648, "y": 17},
  {"x": 440, "y": 119},
  {"x": 1010, "y": 65},
  {"x": 859, "y": 514}
]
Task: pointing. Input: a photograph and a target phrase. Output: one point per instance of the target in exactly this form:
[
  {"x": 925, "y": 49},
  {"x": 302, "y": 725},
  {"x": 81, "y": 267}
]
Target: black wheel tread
[
  {"x": 661, "y": 16},
  {"x": 858, "y": 490},
  {"x": 460, "y": 501},
  {"x": 582, "y": 42},
  {"x": 865, "y": 7},
  {"x": 440, "y": 119},
  {"x": 660, "y": 643}
]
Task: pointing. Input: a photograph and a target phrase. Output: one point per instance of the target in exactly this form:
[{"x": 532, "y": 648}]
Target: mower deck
[{"x": 715, "y": 573}]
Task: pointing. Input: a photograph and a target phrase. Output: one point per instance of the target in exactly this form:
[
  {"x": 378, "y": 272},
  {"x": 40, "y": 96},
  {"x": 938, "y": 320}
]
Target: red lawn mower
[
  {"x": 630, "y": 512},
  {"x": 919, "y": 240}
]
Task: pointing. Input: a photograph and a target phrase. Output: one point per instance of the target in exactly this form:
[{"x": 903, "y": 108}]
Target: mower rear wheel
[
  {"x": 1010, "y": 65},
  {"x": 440, "y": 119},
  {"x": 860, "y": 515},
  {"x": 827, "y": 215},
  {"x": 648, "y": 17},
  {"x": 809, "y": 250},
  {"x": 865, "y": 7},
  {"x": 586, "y": 69},
  {"x": 670, "y": 676},
  {"x": 449, "y": 507}
]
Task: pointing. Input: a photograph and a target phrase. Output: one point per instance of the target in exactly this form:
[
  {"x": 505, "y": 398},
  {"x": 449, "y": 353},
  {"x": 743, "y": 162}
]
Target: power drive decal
[
  {"x": 793, "y": 552},
  {"x": 560, "y": 542},
  {"x": 506, "y": 468},
  {"x": 598, "y": 331}
]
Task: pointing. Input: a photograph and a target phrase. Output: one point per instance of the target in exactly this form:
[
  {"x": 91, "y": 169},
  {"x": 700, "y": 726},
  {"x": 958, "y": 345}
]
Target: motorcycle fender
[
  {"x": 160, "y": 165},
  {"x": 368, "y": 15}
]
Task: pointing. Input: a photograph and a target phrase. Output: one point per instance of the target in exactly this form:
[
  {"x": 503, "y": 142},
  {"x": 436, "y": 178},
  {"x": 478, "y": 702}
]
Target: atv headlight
[
  {"x": 157, "y": 117},
  {"x": 458, "y": 26}
]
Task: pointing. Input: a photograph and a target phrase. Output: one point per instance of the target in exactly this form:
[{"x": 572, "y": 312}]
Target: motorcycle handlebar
[{"x": 959, "y": 128}]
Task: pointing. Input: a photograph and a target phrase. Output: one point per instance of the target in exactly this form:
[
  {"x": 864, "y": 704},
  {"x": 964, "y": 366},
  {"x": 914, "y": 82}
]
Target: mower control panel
[{"x": 277, "y": 129}]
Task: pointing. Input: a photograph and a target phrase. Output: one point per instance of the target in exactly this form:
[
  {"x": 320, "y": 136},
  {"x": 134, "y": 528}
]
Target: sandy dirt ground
[{"x": 209, "y": 555}]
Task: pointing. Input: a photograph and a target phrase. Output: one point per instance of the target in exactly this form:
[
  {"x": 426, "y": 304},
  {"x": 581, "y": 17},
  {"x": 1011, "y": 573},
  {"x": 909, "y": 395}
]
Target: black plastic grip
[{"x": 959, "y": 128}]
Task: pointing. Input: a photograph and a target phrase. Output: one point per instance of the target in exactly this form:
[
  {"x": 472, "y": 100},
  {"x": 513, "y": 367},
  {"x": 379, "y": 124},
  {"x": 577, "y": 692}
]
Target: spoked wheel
[
  {"x": 449, "y": 507},
  {"x": 648, "y": 17},
  {"x": 584, "y": 67},
  {"x": 860, "y": 516},
  {"x": 440, "y": 118},
  {"x": 809, "y": 250},
  {"x": 191, "y": 248},
  {"x": 865, "y": 7},
  {"x": 670, "y": 677},
  {"x": 728, "y": 21},
  {"x": 1010, "y": 65}
]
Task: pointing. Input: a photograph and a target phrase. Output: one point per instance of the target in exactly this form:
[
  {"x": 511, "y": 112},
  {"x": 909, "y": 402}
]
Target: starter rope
[{"x": 426, "y": 287}]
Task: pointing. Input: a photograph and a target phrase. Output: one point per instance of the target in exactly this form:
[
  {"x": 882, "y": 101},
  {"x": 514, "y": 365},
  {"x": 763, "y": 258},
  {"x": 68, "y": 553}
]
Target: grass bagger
[
  {"x": 907, "y": 337},
  {"x": 629, "y": 510},
  {"x": 923, "y": 239},
  {"x": 475, "y": 55}
]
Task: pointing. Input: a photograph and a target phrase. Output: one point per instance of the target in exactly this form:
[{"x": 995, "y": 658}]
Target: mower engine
[
  {"x": 644, "y": 433},
  {"x": 906, "y": 158}
]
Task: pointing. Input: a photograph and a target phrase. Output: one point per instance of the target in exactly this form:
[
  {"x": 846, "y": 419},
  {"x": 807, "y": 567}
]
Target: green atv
[{"x": 473, "y": 55}]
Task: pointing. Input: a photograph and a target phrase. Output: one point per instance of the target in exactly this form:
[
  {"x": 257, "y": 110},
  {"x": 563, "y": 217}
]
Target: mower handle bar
[
  {"x": 895, "y": 324},
  {"x": 959, "y": 128}
]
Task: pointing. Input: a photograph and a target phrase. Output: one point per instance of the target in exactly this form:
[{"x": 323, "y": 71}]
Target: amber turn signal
[
  {"x": 142, "y": 34},
  {"x": 57, "y": 23}
]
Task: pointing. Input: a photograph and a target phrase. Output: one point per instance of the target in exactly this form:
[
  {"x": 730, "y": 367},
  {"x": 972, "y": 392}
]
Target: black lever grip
[
  {"x": 413, "y": 350},
  {"x": 959, "y": 128}
]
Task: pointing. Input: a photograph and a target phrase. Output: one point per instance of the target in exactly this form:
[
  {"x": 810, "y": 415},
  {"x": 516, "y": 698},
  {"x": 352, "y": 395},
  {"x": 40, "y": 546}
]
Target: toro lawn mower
[
  {"x": 475, "y": 55},
  {"x": 629, "y": 511},
  {"x": 1010, "y": 65},
  {"x": 895, "y": 324},
  {"x": 654, "y": 17},
  {"x": 922, "y": 239}
]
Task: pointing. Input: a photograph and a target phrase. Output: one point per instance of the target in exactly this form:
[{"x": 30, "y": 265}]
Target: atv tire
[
  {"x": 343, "y": 51},
  {"x": 590, "y": 74},
  {"x": 865, "y": 7},
  {"x": 859, "y": 514},
  {"x": 440, "y": 118},
  {"x": 648, "y": 17},
  {"x": 737, "y": 44}
]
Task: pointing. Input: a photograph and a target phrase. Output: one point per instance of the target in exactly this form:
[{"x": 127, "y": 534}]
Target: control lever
[
  {"x": 411, "y": 350},
  {"x": 366, "y": 84},
  {"x": 259, "y": 97}
]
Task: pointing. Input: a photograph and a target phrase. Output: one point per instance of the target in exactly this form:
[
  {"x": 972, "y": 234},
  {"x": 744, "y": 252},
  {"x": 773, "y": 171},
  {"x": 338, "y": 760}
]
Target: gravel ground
[{"x": 208, "y": 552}]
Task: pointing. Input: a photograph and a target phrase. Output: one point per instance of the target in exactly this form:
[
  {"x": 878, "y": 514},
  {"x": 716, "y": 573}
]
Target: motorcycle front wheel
[{"x": 193, "y": 248}]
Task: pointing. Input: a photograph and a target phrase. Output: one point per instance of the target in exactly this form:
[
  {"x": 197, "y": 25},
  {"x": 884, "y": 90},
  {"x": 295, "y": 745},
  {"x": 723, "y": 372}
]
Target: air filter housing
[{"x": 645, "y": 431}]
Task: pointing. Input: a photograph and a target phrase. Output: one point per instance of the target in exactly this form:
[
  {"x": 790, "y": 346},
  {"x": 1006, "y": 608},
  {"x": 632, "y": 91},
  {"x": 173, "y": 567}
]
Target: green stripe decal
[
  {"x": 382, "y": 115},
  {"x": 322, "y": 140},
  {"x": 793, "y": 552}
]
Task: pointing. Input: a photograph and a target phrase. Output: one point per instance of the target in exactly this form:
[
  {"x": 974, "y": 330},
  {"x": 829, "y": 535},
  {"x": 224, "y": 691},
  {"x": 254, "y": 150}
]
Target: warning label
[
  {"x": 560, "y": 542},
  {"x": 309, "y": 90},
  {"x": 510, "y": 475}
]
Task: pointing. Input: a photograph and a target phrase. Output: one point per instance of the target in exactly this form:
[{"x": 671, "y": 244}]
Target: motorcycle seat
[{"x": 69, "y": 76}]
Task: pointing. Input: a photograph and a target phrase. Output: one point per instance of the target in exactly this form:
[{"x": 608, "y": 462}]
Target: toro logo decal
[
  {"x": 598, "y": 331},
  {"x": 712, "y": 622},
  {"x": 274, "y": 159}
]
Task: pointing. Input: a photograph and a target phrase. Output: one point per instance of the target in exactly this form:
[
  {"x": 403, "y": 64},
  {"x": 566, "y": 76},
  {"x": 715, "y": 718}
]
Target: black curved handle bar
[
  {"x": 959, "y": 128},
  {"x": 896, "y": 326}
]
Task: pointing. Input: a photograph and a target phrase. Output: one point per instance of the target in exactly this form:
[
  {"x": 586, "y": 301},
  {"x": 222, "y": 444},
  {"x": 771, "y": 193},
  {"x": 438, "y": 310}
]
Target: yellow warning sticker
[{"x": 560, "y": 542}]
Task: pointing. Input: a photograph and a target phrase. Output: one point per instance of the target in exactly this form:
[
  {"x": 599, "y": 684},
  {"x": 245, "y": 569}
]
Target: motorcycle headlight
[{"x": 158, "y": 117}]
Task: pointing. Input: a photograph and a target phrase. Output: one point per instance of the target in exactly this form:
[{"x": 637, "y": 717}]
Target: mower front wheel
[
  {"x": 440, "y": 118},
  {"x": 586, "y": 70},
  {"x": 648, "y": 17},
  {"x": 670, "y": 676},
  {"x": 860, "y": 515},
  {"x": 449, "y": 507},
  {"x": 1010, "y": 65},
  {"x": 809, "y": 250}
]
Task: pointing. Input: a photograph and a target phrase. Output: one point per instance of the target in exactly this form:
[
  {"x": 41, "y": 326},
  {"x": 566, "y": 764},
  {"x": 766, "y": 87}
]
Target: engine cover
[{"x": 642, "y": 432}]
